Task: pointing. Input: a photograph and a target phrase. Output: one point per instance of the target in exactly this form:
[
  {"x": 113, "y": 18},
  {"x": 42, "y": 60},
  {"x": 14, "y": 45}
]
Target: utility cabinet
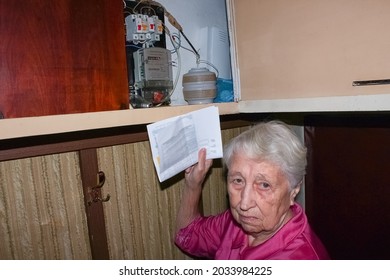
[{"x": 61, "y": 57}]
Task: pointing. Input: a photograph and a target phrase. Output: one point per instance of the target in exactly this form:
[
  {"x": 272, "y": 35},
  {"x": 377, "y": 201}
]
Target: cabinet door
[
  {"x": 59, "y": 57},
  {"x": 310, "y": 48},
  {"x": 42, "y": 213}
]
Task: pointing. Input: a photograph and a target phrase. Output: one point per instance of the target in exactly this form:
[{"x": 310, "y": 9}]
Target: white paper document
[{"x": 175, "y": 142}]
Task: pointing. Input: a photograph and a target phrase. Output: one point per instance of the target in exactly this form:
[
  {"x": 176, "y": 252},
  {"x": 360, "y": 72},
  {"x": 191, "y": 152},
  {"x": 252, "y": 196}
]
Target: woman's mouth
[{"x": 247, "y": 219}]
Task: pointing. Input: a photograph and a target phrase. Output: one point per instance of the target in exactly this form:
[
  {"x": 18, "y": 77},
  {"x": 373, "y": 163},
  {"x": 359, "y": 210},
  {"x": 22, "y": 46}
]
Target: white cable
[
  {"x": 176, "y": 78},
  {"x": 210, "y": 64}
]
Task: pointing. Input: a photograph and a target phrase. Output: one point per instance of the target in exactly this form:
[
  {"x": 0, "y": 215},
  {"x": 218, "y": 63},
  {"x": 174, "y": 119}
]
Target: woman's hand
[{"x": 195, "y": 175}]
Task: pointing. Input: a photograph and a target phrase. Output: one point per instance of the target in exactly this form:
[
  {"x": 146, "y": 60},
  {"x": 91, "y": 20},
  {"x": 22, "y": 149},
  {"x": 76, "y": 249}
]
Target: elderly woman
[{"x": 266, "y": 165}]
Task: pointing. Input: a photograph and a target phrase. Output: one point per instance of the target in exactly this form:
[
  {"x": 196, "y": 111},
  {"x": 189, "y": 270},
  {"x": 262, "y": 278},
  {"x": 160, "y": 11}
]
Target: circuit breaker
[{"x": 143, "y": 28}]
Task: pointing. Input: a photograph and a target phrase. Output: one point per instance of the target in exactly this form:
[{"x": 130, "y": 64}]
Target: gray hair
[{"x": 273, "y": 141}]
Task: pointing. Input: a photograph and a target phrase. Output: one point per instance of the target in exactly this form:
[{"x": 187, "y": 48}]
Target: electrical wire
[
  {"x": 138, "y": 3},
  {"x": 176, "y": 50},
  {"x": 210, "y": 64},
  {"x": 168, "y": 97},
  {"x": 198, "y": 60},
  {"x": 133, "y": 46}
]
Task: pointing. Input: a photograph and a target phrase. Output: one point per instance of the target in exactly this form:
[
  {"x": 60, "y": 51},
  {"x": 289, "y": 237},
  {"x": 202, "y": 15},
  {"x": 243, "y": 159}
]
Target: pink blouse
[{"x": 220, "y": 237}]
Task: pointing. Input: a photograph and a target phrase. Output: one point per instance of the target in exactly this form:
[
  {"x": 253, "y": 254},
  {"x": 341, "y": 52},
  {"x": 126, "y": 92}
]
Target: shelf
[{"x": 45, "y": 125}]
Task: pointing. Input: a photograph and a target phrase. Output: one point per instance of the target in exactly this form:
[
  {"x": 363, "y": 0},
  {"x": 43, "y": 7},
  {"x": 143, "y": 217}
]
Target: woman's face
[{"x": 259, "y": 195}]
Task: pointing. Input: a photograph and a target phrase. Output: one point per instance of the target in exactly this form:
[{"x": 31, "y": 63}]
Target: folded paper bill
[{"x": 175, "y": 142}]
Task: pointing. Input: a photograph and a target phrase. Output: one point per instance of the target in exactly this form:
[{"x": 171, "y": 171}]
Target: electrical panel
[{"x": 149, "y": 63}]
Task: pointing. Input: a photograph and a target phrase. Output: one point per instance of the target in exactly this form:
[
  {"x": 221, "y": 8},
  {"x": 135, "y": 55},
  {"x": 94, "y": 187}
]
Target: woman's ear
[{"x": 294, "y": 193}]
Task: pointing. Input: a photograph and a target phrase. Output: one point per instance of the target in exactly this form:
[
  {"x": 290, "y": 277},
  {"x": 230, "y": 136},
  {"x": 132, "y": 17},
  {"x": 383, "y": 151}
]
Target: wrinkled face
[{"x": 259, "y": 195}]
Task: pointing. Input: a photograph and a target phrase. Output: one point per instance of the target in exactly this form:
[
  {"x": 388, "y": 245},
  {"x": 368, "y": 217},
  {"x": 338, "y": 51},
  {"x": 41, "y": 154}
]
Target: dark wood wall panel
[{"x": 347, "y": 186}]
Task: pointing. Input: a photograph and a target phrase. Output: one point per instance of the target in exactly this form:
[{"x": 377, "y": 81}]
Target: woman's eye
[
  {"x": 264, "y": 185},
  {"x": 237, "y": 181}
]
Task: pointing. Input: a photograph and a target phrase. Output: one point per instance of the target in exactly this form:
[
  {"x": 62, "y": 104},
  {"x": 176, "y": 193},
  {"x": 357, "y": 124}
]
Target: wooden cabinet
[
  {"x": 60, "y": 57},
  {"x": 46, "y": 202},
  {"x": 300, "y": 56},
  {"x": 288, "y": 56},
  {"x": 308, "y": 49}
]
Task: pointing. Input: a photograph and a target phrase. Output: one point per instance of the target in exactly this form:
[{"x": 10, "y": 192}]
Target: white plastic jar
[{"x": 199, "y": 86}]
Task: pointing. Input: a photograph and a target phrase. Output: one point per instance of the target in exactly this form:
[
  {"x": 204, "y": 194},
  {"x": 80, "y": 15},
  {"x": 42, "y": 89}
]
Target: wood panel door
[
  {"x": 347, "y": 184},
  {"x": 309, "y": 48},
  {"x": 42, "y": 213},
  {"x": 59, "y": 57}
]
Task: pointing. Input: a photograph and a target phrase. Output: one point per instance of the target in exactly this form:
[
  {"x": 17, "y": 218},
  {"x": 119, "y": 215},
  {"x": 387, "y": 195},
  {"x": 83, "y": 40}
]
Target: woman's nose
[{"x": 247, "y": 198}]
